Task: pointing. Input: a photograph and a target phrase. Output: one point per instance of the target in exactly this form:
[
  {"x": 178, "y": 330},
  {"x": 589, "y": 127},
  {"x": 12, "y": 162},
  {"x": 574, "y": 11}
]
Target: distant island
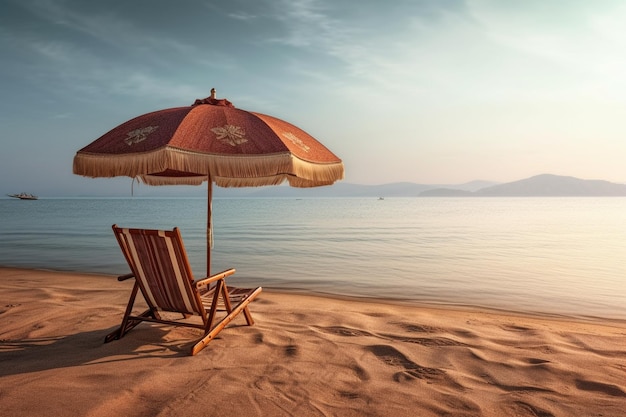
[{"x": 545, "y": 185}]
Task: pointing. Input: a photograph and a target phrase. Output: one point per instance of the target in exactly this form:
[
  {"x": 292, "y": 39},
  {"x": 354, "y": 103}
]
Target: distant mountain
[
  {"x": 548, "y": 185},
  {"x": 545, "y": 185},
  {"x": 446, "y": 192},
  {"x": 471, "y": 186}
]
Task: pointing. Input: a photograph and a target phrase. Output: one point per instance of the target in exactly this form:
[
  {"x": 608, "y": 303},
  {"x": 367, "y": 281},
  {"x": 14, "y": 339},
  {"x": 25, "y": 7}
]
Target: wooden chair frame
[{"x": 167, "y": 285}]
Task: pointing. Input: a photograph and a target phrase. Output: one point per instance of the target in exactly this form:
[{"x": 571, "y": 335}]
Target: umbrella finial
[{"x": 213, "y": 100}]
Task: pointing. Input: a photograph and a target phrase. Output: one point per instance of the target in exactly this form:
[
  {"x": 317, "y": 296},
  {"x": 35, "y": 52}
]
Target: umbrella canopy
[{"x": 211, "y": 141}]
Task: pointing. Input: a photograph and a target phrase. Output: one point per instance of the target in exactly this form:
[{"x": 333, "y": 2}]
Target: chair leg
[
  {"x": 226, "y": 297},
  {"x": 123, "y": 329},
  {"x": 129, "y": 324},
  {"x": 246, "y": 313},
  {"x": 213, "y": 309},
  {"x": 114, "y": 335},
  {"x": 210, "y": 335},
  {"x": 229, "y": 307}
]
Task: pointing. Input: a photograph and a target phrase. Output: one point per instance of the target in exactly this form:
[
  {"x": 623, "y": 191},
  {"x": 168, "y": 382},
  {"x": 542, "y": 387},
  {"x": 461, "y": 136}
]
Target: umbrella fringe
[
  {"x": 161, "y": 180},
  {"x": 227, "y": 171},
  {"x": 131, "y": 165},
  {"x": 306, "y": 174}
]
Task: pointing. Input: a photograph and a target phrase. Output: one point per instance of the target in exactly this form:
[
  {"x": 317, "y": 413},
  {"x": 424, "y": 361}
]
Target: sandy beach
[{"x": 305, "y": 356}]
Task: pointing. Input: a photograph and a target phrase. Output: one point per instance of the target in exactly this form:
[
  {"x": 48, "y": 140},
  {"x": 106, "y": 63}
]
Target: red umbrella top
[{"x": 210, "y": 139}]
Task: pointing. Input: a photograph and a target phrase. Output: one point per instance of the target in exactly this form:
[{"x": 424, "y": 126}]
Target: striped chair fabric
[{"x": 159, "y": 262}]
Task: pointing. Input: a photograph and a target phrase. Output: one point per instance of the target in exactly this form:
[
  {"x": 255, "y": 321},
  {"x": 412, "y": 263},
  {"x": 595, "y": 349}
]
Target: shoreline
[
  {"x": 305, "y": 355},
  {"x": 445, "y": 305}
]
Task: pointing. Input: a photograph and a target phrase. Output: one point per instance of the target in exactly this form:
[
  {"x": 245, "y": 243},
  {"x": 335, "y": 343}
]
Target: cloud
[
  {"x": 574, "y": 47},
  {"x": 84, "y": 54},
  {"x": 373, "y": 52},
  {"x": 485, "y": 51},
  {"x": 241, "y": 16}
]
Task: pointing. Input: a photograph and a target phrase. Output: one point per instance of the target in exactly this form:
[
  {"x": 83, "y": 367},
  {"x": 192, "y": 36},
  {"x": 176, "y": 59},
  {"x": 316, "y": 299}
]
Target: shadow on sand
[{"x": 20, "y": 356}]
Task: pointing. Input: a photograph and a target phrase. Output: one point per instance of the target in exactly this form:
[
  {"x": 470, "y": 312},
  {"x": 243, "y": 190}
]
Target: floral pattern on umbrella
[{"x": 232, "y": 135}]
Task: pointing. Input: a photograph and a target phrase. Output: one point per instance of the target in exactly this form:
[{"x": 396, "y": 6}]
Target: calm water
[{"x": 554, "y": 255}]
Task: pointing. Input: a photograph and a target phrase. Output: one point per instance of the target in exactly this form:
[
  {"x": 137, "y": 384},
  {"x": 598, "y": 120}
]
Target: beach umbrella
[{"x": 211, "y": 141}]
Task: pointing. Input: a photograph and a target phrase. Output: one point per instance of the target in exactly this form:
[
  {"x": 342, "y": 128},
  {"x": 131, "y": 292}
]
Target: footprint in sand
[
  {"x": 536, "y": 361},
  {"x": 516, "y": 328},
  {"x": 291, "y": 350},
  {"x": 423, "y": 341},
  {"x": 258, "y": 338},
  {"x": 519, "y": 408},
  {"x": 426, "y": 341},
  {"x": 608, "y": 389},
  {"x": 391, "y": 356},
  {"x": 418, "y": 328},
  {"x": 345, "y": 331}
]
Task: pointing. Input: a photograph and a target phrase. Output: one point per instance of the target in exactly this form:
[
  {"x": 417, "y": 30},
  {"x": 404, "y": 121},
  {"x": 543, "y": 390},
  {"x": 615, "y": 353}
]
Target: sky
[{"x": 423, "y": 91}]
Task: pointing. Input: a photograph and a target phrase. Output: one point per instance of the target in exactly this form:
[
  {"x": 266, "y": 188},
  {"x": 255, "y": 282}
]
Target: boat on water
[{"x": 24, "y": 196}]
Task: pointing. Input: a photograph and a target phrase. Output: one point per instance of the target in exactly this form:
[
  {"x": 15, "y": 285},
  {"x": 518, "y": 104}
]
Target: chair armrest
[
  {"x": 125, "y": 277},
  {"x": 213, "y": 278}
]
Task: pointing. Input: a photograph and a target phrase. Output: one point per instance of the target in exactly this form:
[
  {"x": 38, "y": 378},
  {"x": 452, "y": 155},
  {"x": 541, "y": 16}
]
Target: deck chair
[{"x": 162, "y": 273}]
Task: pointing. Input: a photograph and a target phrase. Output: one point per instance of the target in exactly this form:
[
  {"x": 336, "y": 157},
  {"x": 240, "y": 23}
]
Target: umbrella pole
[{"x": 209, "y": 227}]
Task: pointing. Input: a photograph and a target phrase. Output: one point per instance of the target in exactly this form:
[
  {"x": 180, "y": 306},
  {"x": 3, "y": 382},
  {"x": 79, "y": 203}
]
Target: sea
[{"x": 556, "y": 256}]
